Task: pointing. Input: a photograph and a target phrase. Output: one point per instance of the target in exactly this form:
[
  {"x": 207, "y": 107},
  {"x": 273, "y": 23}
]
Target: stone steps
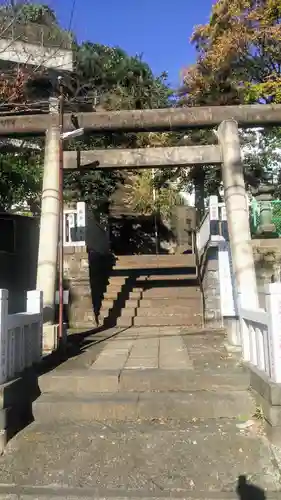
[
  {"x": 131, "y": 406},
  {"x": 167, "y": 311},
  {"x": 194, "y": 320},
  {"x": 164, "y": 302},
  {"x": 167, "y": 292},
  {"x": 153, "y": 311},
  {"x": 149, "y": 380},
  {"x": 112, "y": 427},
  {"x": 137, "y": 432},
  {"x": 153, "y": 293},
  {"x": 156, "y": 291},
  {"x": 139, "y": 261},
  {"x": 177, "y": 278},
  {"x": 149, "y": 308},
  {"x": 193, "y": 302},
  {"x": 137, "y": 282},
  {"x": 38, "y": 493}
]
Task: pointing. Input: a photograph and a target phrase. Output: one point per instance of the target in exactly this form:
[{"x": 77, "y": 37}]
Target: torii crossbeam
[
  {"x": 166, "y": 157},
  {"x": 253, "y": 115}
]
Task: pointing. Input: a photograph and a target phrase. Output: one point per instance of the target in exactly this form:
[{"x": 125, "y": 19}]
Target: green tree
[
  {"x": 20, "y": 181},
  {"x": 120, "y": 82},
  {"x": 146, "y": 196}
]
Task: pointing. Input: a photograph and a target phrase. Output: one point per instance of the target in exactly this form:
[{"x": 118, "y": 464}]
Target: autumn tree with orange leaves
[
  {"x": 238, "y": 61},
  {"x": 239, "y": 54}
]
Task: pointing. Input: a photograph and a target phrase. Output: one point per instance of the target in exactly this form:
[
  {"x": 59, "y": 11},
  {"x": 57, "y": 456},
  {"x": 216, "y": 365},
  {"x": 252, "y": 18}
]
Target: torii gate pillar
[
  {"x": 49, "y": 225},
  {"x": 237, "y": 214}
]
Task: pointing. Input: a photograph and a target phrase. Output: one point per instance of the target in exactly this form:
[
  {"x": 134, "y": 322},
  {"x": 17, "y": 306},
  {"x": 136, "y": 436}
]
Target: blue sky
[{"x": 157, "y": 28}]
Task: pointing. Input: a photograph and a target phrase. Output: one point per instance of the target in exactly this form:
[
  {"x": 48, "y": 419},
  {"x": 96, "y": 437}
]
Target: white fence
[
  {"x": 210, "y": 228},
  {"x": 261, "y": 333},
  {"x": 21, "y": 335}
]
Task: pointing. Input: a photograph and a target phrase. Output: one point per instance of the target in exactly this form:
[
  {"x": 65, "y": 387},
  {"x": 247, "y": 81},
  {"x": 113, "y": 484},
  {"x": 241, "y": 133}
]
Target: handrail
[
  {"x": 203, "y": 219},
  {"x": 199, "y": 232},
  {"x": 199, "y": 263}
]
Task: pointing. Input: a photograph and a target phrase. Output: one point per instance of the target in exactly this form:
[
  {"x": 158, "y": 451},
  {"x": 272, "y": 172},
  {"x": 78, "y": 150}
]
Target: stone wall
[
  {"x": 18, "y": 257},
  {"x": 211, "y": 288},
  {"x": 86, "y": 278},
  {"x": 267, "y": 255}
]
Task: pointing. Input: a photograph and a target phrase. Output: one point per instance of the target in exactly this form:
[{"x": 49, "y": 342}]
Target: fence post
[
  {"x": 214, "y": 215},
  {"x": 3, "y": 335},
  {"x": 244, "y": 332},
  {"x": 224, "y": 225},
  {"x": 71, "y": 228},
  {"x": 64, "y": 227},
  {"x": 34, "y": 305},
  {"x": 273, "y": 307}
]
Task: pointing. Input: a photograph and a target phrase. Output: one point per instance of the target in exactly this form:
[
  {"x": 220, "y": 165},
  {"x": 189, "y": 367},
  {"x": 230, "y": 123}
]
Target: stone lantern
[{"x": 264, "y": 195}]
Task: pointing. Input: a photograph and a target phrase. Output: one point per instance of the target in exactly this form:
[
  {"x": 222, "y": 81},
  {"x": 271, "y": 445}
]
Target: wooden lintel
[
  {"x": 143, "y": 158},
  {"x": 252, "y": 115}
]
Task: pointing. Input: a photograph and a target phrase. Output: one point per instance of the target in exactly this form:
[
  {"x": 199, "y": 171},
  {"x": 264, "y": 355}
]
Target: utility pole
[
  {"x": 61, "y": 221},
  {"x": 63, "y": 136},
  {"x": 155, "y": 213}
]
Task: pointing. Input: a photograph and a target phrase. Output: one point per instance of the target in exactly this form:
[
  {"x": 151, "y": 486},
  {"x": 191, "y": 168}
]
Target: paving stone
[
  {"x": 141, "y": 363},
  {"x": 105, "y": 362},
  {"x": 173, "y": 354}
]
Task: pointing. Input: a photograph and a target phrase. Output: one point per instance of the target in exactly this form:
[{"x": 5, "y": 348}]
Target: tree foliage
[
  {"x": 239, "y": 53},
  {"x": 119, "y": 81},
  {"x": 20, "y": 181},
  {"x": 146, "y": 197},
  {"x": 31, "y": 12},
  {"x": 238, "y": 61}
]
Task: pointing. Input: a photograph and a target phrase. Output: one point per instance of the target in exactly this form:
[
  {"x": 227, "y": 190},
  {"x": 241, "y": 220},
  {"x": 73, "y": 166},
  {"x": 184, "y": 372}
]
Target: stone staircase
[
  {"x": 153, "y": 290},
  {"x": 147, "y": 373},
  {"x": 138, "y": 290},
  {"x": 153, "y": 413}
]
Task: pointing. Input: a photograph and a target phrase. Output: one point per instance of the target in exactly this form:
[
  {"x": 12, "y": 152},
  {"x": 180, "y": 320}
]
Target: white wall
[{"x": 36, "y": 55}]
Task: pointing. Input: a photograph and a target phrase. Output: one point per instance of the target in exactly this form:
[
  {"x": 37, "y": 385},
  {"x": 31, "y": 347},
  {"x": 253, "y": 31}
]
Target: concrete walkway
[
  {"x": 176, "y": 421},
  {"x": 144, "y": 349}
]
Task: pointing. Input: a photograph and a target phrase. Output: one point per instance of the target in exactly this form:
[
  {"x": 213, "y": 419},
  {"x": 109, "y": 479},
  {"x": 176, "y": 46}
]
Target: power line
[{"x": 72, "y": 14}]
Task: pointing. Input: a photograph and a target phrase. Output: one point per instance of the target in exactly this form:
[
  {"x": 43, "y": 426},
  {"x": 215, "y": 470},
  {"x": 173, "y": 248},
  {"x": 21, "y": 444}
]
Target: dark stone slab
[{"x": 16, "y": 399}]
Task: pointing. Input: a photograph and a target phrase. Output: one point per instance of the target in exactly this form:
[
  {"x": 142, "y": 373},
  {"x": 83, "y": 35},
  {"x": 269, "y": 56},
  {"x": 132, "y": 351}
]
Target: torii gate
[{"x": 227, "y": 153}]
